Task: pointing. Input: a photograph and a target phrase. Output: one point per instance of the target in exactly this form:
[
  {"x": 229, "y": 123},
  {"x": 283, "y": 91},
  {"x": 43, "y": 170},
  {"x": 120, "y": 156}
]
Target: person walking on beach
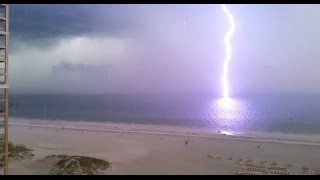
[{"x": 291, "y": 124}]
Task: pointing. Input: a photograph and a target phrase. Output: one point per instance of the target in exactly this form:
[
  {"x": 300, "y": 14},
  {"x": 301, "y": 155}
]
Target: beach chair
[
  {"x": 239, "y": 163},
  {"x": 274, "y": 164},
  {"x": 263, "y": 162},
  {"x": 288, "y": 165},
  {"x": 305, "y": 170}
]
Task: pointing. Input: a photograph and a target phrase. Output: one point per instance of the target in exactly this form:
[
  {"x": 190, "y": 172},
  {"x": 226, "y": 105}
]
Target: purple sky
[{"x": 71, "y": 48}]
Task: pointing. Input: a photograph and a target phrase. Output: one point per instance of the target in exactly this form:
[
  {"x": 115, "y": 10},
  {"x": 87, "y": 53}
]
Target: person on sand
[{"x": 186, "y": 142}]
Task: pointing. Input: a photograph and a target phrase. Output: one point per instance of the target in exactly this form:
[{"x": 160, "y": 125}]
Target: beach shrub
[
  {"x": 19, "y": 151},
  {"x": 77, "y": 165}
]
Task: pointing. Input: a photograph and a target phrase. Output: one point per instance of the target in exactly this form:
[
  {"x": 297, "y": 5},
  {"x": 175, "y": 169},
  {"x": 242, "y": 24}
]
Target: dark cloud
[
  {"x": 155, "y": 52},
  {"x": 45, "y": 21},
  {"x": 64, "y": 66},
  {"x": 29, "y": 22}
]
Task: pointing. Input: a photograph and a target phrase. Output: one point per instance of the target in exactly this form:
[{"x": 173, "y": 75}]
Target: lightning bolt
[{"x": 227, "y": 59}]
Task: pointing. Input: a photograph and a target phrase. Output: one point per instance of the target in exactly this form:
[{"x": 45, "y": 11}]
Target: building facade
[{"x": 4, "y": 126}]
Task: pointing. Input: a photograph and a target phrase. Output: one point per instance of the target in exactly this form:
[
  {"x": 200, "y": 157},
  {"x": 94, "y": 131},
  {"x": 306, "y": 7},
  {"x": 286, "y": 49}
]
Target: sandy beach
[{"x": 148, "y": 149}]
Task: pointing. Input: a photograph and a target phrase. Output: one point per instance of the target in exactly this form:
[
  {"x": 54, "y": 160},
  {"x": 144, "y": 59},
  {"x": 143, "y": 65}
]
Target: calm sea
[{"x": 277, "y": 113}]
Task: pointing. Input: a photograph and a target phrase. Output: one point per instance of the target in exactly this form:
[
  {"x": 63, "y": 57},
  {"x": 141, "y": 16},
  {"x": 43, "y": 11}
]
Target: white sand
[{"x": 138, "y": 149}]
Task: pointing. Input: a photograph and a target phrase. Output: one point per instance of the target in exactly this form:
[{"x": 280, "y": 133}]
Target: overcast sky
[{"x": 147, "y": 49}]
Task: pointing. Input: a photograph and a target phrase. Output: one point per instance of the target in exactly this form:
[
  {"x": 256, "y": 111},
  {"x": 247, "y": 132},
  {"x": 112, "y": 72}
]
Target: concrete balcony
[{"x": 2, "y": 58}]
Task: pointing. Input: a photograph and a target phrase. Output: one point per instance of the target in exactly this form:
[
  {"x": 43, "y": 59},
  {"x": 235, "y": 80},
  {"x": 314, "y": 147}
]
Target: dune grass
[
  {"x": 19, "y": 151},
  {"x": 78, "y": 165}
]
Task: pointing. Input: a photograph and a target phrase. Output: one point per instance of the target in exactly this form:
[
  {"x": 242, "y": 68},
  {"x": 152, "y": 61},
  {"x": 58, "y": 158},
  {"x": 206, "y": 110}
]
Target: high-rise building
[{"x": 4, "y": 42}]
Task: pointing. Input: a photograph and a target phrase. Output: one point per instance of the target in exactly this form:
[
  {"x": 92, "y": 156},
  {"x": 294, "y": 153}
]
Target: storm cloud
[
  {"x": 162, "y": 48},
  {"x": 69, "y": 66}
]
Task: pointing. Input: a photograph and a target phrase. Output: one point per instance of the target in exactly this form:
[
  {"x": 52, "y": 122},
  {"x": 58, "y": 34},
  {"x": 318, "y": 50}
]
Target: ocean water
[{"x": 298, "y": 114}]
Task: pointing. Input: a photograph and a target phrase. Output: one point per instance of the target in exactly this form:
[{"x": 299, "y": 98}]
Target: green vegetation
[
  {"x": 19, "y": 151},
  {"x": 77, "y": 165}
]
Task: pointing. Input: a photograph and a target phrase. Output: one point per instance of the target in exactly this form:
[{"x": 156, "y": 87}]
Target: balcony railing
[
  {"x": 1, "y": 159},
  {"x": 1, "y": 136},
  {"x": 2, "y": 12},
  {"x": 2, "y": 71},
  {"x": 2, "y": 41}
]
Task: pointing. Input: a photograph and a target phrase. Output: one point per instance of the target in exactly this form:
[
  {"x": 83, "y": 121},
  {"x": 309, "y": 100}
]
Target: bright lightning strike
[{"x": 228, "y": 51}]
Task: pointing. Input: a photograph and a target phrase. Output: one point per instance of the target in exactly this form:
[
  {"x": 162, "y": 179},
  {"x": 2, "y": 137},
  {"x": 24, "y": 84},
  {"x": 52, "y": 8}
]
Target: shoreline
[{"x": 166, "y": 130}]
